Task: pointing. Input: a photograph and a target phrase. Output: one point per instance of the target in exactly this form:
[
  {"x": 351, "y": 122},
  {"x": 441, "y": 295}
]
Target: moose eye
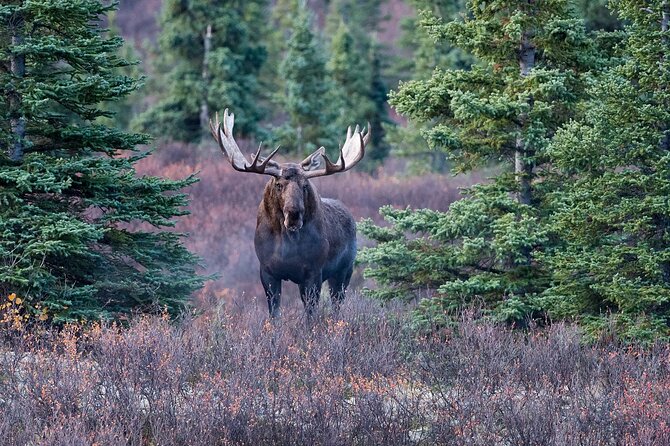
[{"x": 279, "y": 186}]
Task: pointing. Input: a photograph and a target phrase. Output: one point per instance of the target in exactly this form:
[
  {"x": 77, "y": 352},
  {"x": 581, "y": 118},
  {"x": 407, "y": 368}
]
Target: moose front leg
[
  {"x": 272, "y": 287},
  {"x": 310, "y": 291}
]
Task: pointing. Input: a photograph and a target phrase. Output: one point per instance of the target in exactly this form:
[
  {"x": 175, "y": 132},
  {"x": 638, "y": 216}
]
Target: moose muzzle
[{"x": 293, "y": 219}]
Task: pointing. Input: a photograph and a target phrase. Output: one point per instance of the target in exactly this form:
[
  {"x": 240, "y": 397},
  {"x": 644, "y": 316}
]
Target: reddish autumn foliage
[
  {"x": 362, "y": 376},
  {"x": 224, "y": 205}
]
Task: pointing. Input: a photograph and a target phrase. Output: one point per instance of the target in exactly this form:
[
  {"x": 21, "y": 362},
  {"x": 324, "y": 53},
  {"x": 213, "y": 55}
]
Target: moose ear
[{"x": 313, "y": 162}]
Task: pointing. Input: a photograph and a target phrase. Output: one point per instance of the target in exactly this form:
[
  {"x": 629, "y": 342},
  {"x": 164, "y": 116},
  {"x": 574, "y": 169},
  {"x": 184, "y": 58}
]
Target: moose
[{"x": 300, "y": 236}]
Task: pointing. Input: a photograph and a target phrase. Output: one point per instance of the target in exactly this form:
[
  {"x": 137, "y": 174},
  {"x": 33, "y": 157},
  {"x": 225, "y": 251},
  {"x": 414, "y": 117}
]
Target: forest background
[{"x": 566, "y": 217}]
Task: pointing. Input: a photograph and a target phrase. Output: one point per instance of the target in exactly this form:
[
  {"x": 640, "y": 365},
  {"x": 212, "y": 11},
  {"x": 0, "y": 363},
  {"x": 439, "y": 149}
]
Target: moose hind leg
[
  {"x": 272, "y": 287},
  {"x": 338, "y": 286},
  {"x": 310, "y": 291}
]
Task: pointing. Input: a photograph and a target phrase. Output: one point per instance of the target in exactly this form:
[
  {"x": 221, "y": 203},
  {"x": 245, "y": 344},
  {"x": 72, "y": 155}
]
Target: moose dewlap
[{"x": 300, "y": 236}]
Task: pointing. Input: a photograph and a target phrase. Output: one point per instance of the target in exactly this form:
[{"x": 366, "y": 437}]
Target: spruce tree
[
  {"x": 380, "y": 148},
  {"x": 212, "y": 53},
  {"x": 362, "y": 16},
  {"x": 424, "y": 54},
  {"x": 597, "y": 16},
  {"x": 308, "y": 96},
  {"x": 351, "y": 76},
  {"x": 124, "y": 109},
  {"x": 361, "y": 91},
  {"x": 504, "y": 110},
  {"x": 356, "y": 63},
  {"x": 282, "y": 15},
  {"x": 612, "y": 272},
  {"x": 69, "y": 194}
]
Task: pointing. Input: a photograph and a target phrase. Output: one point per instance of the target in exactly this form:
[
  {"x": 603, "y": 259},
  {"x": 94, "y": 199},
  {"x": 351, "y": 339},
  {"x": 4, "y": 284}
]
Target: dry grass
[{"x": 358, "y": 377}]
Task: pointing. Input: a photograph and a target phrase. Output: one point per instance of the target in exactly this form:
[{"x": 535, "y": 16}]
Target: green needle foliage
[
  {"x": 597, "y": 16},
  {"x": 355, "y": 68},
  {"x": 124, "y": 109},
  {"x": 424, "y": 54},
  {"x": 504, "y": 110},
  {"x": 351, "y": 74},
  {"x": 80, "y": 232},
  {"x": 308, "y": 96},
  {"x": 428, "y": 53},
  {"x": 199, "y": 82},
  {"x": 612, "y": 271}
]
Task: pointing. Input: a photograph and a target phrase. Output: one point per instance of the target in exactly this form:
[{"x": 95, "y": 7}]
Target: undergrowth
[{"x": 361, "y": 376}]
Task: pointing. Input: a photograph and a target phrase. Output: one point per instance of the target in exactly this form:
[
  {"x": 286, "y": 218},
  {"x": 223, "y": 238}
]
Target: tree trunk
[
  {"x": 523, "y": 163},
  {"x": 523, "y": 167},
  {"x": 665, "y": 22},
  {"x": 663, "y": 59},
  {"x": 17, "y": 121},
  {"x": 665, "y": 140},
  {"x": 204, "y": 107}
]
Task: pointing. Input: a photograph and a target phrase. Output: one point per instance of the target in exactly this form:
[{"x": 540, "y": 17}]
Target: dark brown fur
[{"x": 303, "y": 238}]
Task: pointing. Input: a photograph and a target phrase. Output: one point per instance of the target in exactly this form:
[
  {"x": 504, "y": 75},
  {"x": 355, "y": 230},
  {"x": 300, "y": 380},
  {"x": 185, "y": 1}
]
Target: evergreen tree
[
  {"x": 380, "y": 120},
  {"x": 356, "y": 64},
  {"x": 69, "y": 194},
  {"x": 212, "y": 53},
  {"x": 597, "y": 16},
  {"x": 424, "y": 55},
  {"x": 351, "y": 75},
  {"x": 359, "y": 86},
  {"x": 308, "y": 97},
  {"x": 284, "y": 13},
  {"x": 363, "y": 18},
  {"x": 281, "y": 24},
  {"x": 425, "y": 52},
  {"x": 613, "y": 216},
  {"x": 505, "y": 109},
  {"x": 126, "y": 108}
]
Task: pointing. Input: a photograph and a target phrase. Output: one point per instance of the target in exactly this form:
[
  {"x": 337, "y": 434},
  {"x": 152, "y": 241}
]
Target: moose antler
[
  {"x": 223, "y": 134},
  {"x": 351, "y": 153}
]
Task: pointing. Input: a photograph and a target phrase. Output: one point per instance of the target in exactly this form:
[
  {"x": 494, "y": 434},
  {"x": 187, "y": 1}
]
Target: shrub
[{"x": 357, "y": 377}]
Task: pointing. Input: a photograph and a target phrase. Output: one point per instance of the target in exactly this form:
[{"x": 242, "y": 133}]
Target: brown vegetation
[{"x": 361, "y": 377}]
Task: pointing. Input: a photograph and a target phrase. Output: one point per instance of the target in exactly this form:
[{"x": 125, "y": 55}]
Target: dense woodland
[
  {"x": 513, "y": 278},
  {"x": 553, "y": 113}
]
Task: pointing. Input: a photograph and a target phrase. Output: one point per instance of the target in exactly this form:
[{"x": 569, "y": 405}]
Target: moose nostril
[{"x": 294, "y": 214}]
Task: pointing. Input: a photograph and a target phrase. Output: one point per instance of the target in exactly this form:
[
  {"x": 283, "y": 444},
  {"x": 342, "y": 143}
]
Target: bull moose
[{"x": 300, "y": 236}]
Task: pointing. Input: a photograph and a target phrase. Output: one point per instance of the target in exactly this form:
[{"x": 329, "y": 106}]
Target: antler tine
[
  {"x": 254, "y": 161},
  {"x": 228, "y": 122},
  {"x": 333, "y": 167},
  {"x": 351, "y": 153},
  {"x": 213, "y": 126},
  {"x": 265, "y": 161},
  {"x": 368, "y": 134},
  {"x": 223, "y": 134}
]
